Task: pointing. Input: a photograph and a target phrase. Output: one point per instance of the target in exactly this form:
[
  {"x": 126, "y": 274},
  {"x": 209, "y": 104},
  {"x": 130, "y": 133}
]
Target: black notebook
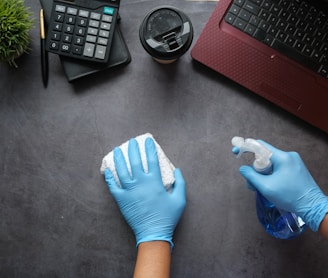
[{"x": 75, "y": 69}]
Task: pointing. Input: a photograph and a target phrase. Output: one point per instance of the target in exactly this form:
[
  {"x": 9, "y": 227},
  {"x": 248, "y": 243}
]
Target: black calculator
[{"x": 82, "y": 29}]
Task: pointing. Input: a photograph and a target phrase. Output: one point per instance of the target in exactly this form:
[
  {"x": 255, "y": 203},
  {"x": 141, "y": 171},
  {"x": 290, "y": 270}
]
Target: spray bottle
[{"x": 277, "y": 222}]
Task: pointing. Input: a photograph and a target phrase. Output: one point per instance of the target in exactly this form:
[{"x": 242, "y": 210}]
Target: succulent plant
[{"x": 15, "y": 24}]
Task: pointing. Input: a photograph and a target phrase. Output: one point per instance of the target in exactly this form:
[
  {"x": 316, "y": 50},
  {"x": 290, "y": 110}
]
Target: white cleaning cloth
[{"x": 166, "y": 167}]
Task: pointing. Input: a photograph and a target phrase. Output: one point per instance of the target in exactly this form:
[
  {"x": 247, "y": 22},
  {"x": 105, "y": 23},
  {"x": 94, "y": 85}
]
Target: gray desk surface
[{"x": 57, "y": 216}]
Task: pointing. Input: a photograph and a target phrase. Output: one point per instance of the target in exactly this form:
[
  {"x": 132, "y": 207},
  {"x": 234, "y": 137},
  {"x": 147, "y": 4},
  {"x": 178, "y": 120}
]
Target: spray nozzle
[{"x": 262, "y": 154}]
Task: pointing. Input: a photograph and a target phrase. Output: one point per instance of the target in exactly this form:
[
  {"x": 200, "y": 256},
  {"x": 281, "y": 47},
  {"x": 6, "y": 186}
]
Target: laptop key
[
  {"x": 245, "y": 15},
  {"x": 290, "y": 41},
  {"x": 252, "y": 7},
  {"x": 240, "y": 24},
  {"x": 230, "y": 18},
  {"x": 267, "y": 5},
  {"x": 296, "y": 56},
  {"x": 254, "y": 20},
  {"x": 324, "y": 71},
  {"x": 258, "y": 2},
  {"x": 239, "y": 2},
  {"x": 268, "y": 40},
  {"x": 234, "y": 10},
  {"x": 250, "y": 29},
  {"x": 260, "y": 35}
]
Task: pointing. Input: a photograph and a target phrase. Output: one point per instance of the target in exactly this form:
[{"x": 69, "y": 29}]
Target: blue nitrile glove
[
  {"x": 290, "y": 186},
  {"x": 148, "y": 208}
]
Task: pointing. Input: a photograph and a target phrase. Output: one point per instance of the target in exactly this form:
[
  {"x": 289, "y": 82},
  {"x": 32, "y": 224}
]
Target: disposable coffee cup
[{"x": 166, "y": 33}]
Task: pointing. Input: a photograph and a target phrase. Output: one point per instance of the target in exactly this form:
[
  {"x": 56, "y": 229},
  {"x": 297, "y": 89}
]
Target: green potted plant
[{"x": 15, "y": 25}]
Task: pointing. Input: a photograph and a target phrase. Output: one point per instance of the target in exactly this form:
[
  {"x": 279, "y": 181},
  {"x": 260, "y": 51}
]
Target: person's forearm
[
  {"x": 153, "y": 260},
  {"x": 323, "y": 228}
]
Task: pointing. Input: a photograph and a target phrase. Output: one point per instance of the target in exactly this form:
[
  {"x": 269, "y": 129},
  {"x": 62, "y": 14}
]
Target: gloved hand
[
  {"x": 148, "y": 208},
  {"x": 290, "y": 186}
]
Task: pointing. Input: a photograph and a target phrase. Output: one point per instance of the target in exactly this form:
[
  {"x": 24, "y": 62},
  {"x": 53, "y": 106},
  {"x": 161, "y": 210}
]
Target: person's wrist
[
  {"x": 154, "y": 243},
  {"x": 153, "y": 260},
  {"x": 323, "y": 228}
]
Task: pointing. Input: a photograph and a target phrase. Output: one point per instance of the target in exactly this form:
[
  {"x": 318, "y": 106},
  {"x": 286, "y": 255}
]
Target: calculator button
[
  {"x": 89, "y": 48},
  {"x": 58, "y": 27},
  {"x": 100, "y": 52},
  {"x": 72, "y": 11},
  {"x": 91, "y": 39},
  {"x": 83, "y": 13},
  {"x": 54, "y": 45},
  {"x": 65, "y": 47},
  {"x": 107, "y": 18},
  {"x": 80, "y": 31},
  {"x": 78, "y": 40},
  {"x": 92, "y": 31},
  {"x": 60, "y": 8},
  {"x": 103, "y": 33},
  {"x": 105, "y": 26},
  {"x": 108, "y": 10},
  {"x": 55, "y": 36},
  {"x": 82, "y": 22},
  {"x": 67, "y": 38},
  {"x": 77, "y": 50},
  {"x": 94, "y": 23},
  {"x": 59, "y": 17},
  {"x": 70, "y": 19},
  {"x": 102, "y": 41},
  {"x": 69, "y": 29},
  {"x": 95, "y": 16}
]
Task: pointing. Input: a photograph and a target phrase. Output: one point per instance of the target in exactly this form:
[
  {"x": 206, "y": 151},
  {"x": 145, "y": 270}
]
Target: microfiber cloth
[{"x": 166, "y": 167}]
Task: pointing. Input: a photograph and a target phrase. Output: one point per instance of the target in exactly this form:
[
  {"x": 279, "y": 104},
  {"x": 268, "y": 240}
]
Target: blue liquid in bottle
[{"x": 278, "y": 223}]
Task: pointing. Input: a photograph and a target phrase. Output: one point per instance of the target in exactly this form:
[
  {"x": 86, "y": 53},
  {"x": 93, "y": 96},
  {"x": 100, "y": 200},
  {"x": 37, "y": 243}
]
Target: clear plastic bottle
[{"x": 278, "y": 223}]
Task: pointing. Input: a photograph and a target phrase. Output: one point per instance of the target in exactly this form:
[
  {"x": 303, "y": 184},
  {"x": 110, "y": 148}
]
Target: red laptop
[{"x": 276, "y": 48}]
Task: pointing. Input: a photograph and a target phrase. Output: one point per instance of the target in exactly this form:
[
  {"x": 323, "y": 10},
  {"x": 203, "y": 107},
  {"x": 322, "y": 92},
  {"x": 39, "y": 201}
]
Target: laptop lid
[{"x": 263, "y": 70}]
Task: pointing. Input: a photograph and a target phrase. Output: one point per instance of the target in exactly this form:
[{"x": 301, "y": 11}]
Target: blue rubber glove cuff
[
  {"x": 314, "y": 217},
  {"x": 155, "y": 238}
]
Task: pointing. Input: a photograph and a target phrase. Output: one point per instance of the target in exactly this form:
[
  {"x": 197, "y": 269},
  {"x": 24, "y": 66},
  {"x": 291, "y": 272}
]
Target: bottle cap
[{"x": 262, "y": 161}]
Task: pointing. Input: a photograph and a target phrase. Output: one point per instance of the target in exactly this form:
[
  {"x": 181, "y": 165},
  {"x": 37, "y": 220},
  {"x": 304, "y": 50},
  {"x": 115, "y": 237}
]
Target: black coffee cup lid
[{"x": 166, "y": 33}]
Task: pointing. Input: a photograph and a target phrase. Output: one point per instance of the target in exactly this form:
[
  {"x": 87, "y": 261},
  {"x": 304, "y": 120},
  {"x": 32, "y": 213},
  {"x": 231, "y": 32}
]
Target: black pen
[{"x": 44, "y": 53}]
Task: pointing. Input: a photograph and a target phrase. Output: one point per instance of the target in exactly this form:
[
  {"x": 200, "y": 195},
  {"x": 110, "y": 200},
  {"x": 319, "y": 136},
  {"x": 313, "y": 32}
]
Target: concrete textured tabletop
[{"x": 57, "y": 216}]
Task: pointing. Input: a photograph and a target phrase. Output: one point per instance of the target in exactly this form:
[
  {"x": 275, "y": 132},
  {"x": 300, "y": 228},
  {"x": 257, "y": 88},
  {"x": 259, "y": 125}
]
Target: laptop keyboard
[{"x": 292, "y": 27}]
